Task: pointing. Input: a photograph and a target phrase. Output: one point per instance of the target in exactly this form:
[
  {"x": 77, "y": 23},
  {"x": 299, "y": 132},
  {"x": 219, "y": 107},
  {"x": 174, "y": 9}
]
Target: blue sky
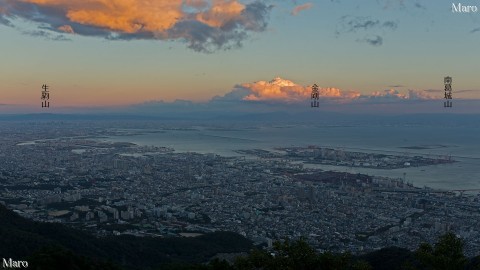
[{"x": 362, "y": 46}]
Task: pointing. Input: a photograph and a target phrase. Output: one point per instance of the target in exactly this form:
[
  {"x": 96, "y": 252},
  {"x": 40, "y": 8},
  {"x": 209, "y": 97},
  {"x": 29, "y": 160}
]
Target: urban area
[{"x": 71, "y": 174}]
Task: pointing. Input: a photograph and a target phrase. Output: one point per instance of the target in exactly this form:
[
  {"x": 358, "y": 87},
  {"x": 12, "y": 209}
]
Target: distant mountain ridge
[{"x": 329, "y": 118}]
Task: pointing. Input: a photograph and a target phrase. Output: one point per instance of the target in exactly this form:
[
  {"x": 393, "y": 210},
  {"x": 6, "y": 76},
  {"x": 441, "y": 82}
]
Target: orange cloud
[
  {"x": 204, "y": 24},
  {"x": 221, "y": 13},
  {"x": 300, "y": 8},
  {"x": 128, "y": 16},
  {"x": 66, "y": 28},
  {"x": 284, "y": 90}
]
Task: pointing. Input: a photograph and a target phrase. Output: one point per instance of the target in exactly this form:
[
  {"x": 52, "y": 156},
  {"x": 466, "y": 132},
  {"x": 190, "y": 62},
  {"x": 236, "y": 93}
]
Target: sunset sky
[{"x": 121, "y": 52}]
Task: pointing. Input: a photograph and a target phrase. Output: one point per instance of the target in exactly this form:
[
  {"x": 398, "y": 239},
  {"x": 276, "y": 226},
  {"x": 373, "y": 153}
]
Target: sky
[{"x": 99, "y": 53}]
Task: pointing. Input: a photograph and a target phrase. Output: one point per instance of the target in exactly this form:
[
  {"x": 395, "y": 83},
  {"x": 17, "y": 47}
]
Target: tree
[
  {"x": 447, "y": 254},
  {"x": 293, "y": 255}
]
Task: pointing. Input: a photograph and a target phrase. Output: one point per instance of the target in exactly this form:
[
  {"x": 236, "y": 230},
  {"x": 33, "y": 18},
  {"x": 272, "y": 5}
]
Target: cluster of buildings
[
  {"x": 122, "y": 188},
  {"x": 341, "y": 157}
]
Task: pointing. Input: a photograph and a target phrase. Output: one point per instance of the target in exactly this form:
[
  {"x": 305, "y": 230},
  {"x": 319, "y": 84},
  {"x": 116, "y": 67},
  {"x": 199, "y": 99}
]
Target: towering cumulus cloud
[
  {"x": 280, "y": 89},
  {"x": 204, "y": 25}
]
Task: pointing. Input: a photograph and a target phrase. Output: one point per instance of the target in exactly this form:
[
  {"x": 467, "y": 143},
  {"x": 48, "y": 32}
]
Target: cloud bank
[
  {"x": 204, "y": 25},
  {"x": 280, "y": 97},
  {"x": 281, "y": 90},
  {"x": 395, "y": 95}
]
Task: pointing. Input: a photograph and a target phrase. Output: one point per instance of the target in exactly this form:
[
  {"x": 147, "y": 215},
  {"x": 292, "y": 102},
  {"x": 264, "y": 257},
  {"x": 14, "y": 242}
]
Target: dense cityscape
[
  {"x": 69, "y": 173},
  {"x": 239, "y": 135}
]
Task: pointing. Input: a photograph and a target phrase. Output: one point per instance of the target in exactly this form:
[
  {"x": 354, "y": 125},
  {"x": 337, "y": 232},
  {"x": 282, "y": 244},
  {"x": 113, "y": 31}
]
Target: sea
[{"x": 461, "y": 144}]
